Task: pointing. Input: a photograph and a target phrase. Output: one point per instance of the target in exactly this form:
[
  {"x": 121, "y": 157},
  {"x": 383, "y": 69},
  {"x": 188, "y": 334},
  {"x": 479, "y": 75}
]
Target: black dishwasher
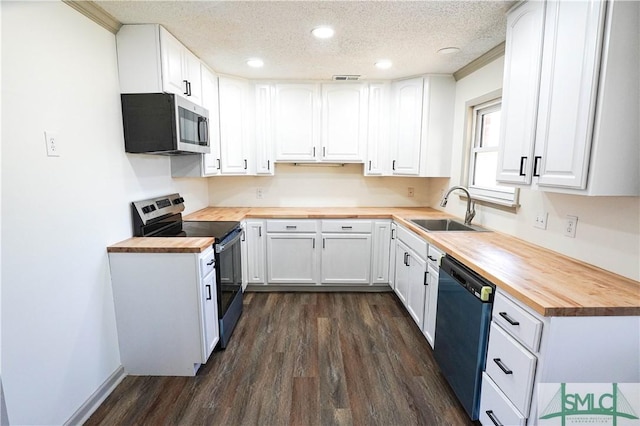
[{"x": 463, "y": 317}]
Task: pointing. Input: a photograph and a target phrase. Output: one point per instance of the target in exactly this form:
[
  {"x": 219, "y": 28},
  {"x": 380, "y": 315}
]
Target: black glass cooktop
[{"x": 218, "y": 229}]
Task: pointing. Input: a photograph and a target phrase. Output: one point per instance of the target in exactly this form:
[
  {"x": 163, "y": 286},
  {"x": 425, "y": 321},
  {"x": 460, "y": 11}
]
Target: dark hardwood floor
[{"x": 302, "y": 359}]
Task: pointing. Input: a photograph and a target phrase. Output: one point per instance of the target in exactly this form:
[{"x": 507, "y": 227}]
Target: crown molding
[
  {"x": 95, "y": 13},
  {"x": 480, "y": 62}
]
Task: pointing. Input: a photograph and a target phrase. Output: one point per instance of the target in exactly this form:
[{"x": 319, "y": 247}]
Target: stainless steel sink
[{"x": 445, "y": 225}]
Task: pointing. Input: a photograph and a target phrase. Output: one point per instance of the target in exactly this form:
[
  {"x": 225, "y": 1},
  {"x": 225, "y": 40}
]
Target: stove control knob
[
  {"x": 179, "y": 200},
  {"x": 146, "y": 209}
]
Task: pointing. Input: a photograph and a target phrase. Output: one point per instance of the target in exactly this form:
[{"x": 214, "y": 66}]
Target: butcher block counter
[{"x": 548, "y": 282}]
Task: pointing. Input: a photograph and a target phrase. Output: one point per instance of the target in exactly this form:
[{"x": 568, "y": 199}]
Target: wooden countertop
[
  {"x": 548, "y": 282},
  {"x": 161, "y": 245}
]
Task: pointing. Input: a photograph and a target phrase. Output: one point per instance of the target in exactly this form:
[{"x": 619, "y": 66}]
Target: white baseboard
[{"x": 85, "y": 411}]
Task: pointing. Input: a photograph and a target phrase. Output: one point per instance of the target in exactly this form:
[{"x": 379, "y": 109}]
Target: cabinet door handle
[
  {"x": 493, "y": 418},
  {"x": 314, "y": 152},
  {"x": 268, "y": 164},
  {"x": 508, "y": 318},
  {"x": 259, "y": 231},
  {"x": 405, "y": 258},
  {"x": 324, "y": 151},
  {"x": 323, "y": 243},
  {"x": 502, "y": 366},
  {"x": 393, "y": 165},
  {"x": 536, "y": 163},
  {"x": 425, "y": 277},
  {"x": 245, "y": 164},
  {"x": 186, "y": 87},
  {"x": 189, "y": 86},
  {"x": 313, "y": 243},
  {"x": 218, "y": 160},
  {"x": 211, "y": 263},
  {"x": 523, "y": 160},
  {"x": 393, "y": 234},
  {"x": 369, "y": 165},
  {"x": 243, "y": 236},
  {"x": 208, "y": 292}
]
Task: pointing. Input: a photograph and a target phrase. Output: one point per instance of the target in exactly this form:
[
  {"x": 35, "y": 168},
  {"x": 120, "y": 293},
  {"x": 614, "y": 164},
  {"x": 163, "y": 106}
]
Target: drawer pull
[
  {"x": 433, "y": 259},
  {"x": 509, "y": 319},
  {"x": 493, "y": 418},
  {"x": 347, "y": 227},
  {"x": 211, "y": 263},
  {"x": 503, "y": 367},
  {"x": 292, "y": 227}
]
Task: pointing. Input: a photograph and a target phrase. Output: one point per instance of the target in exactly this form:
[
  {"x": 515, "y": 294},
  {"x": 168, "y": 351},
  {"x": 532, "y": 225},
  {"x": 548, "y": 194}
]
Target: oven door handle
[{"x": 222, "y": 247}]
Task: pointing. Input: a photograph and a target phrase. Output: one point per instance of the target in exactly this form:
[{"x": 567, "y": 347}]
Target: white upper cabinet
[
  {"x": 296, "y": 122},
  {"x": 586, "y": 129},
  {"x": 421, "y": 126},
  {"x": 180, "y": 68},
  {"x": 406, "y": 126},
  {"x": 378, "y": 131},
  {"x": 523, "y": 56},
  {"x": 320, "y": 122},
  {"x": 264, "y": 129},
  {"x": 206, "y": 164},
  {"x": 235, "y": 126},
  {"x": 344, "y": 122},
  {"x": 151, "y": 60}
]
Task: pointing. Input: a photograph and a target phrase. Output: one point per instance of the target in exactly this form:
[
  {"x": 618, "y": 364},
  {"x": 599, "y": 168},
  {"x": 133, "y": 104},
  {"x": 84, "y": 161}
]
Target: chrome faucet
[{"x": 471, "y": 205}]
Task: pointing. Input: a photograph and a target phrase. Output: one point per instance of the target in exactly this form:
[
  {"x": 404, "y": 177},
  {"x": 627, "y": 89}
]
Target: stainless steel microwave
[{"x": 163, "y": 123}]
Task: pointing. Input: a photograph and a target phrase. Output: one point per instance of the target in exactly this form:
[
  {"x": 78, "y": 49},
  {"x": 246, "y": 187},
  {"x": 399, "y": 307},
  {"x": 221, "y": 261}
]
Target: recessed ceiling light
[
  {"x": 384, "y": 64},
  {"x": 448, "y": 50},
  {"x": 322, "y": 32},
  {"x": 255, "y": 63}
]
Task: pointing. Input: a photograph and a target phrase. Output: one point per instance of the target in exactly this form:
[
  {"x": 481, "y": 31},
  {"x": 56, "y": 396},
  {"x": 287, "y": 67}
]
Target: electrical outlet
[
  {"x": 541, "y": 220},
  {"x": 570, "y": 226},
  {"x": 259, "y": 193},
  {"x": 53, "y": 148},
  {"x": 410, "y": 191}
]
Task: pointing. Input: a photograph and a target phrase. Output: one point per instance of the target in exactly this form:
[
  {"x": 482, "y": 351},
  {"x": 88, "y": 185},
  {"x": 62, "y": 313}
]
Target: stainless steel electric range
[{"x": 162, "y": 217}]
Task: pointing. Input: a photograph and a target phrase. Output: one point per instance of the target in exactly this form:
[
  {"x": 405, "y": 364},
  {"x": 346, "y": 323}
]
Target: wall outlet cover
[
  {"x": 53, "y": 145},
  {"x": 541, "y": 220},
  {"x": 570, "y": 226}
]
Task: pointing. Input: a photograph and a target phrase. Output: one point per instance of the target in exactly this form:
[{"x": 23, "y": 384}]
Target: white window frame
[{"x": 501, "y": 195}]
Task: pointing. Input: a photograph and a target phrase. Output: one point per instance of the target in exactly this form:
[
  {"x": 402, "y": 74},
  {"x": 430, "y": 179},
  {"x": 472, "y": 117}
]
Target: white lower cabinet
[
  {"x": 346, "y": 259},
  {"x": 411, "y": 273},
  {"x": 255, "y": 236},
  {"x": 166, "y": 311},
  {"x": 381, "y": 249},
  {"x": 307, "y": 252},
  {"x": 292, "y": 258},
  {"x": 509, "y": 377},
  {"x": 500, "y": 410},
  {"x": 431, "y": 294}
]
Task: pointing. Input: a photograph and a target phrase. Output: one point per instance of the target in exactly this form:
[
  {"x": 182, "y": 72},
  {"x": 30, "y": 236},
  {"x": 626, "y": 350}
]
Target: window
[{"x": 483, "y": 157}]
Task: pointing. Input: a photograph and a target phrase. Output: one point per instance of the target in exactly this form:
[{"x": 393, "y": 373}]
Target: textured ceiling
[{"x": 224, "y": 34}]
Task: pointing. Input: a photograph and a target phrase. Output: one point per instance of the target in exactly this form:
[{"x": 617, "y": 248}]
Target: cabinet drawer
[
  {"x": 292, "y": 226},
  {"x": 434, "y": 256},
  {"x": 495, "y": 408},
  {"x": 207, "y": 263},
  {"x": 512, "y": 368},
  {"x": 357, "y": 226},
  {"x": 414, "y": 242},
  {"x": 516, "y": 321}
]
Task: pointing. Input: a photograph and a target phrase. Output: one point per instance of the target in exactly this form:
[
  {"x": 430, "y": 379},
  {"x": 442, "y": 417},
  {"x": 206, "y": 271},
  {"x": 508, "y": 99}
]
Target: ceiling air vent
[{"x": 346, "y": 77}]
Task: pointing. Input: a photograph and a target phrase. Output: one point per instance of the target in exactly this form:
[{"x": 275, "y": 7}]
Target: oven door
[{"x": 229, "y": 270}]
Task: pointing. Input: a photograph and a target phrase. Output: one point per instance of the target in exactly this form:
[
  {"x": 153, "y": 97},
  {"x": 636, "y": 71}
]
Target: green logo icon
[{"x": 565, "y": 404}]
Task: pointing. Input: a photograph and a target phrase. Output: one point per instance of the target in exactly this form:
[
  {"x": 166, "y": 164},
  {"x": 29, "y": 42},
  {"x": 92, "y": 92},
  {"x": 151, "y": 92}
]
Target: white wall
[
  {"x": 608, "y": 231},
  {"x": 59, "y": 340},
  {"x": 304, "y": 186}
]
